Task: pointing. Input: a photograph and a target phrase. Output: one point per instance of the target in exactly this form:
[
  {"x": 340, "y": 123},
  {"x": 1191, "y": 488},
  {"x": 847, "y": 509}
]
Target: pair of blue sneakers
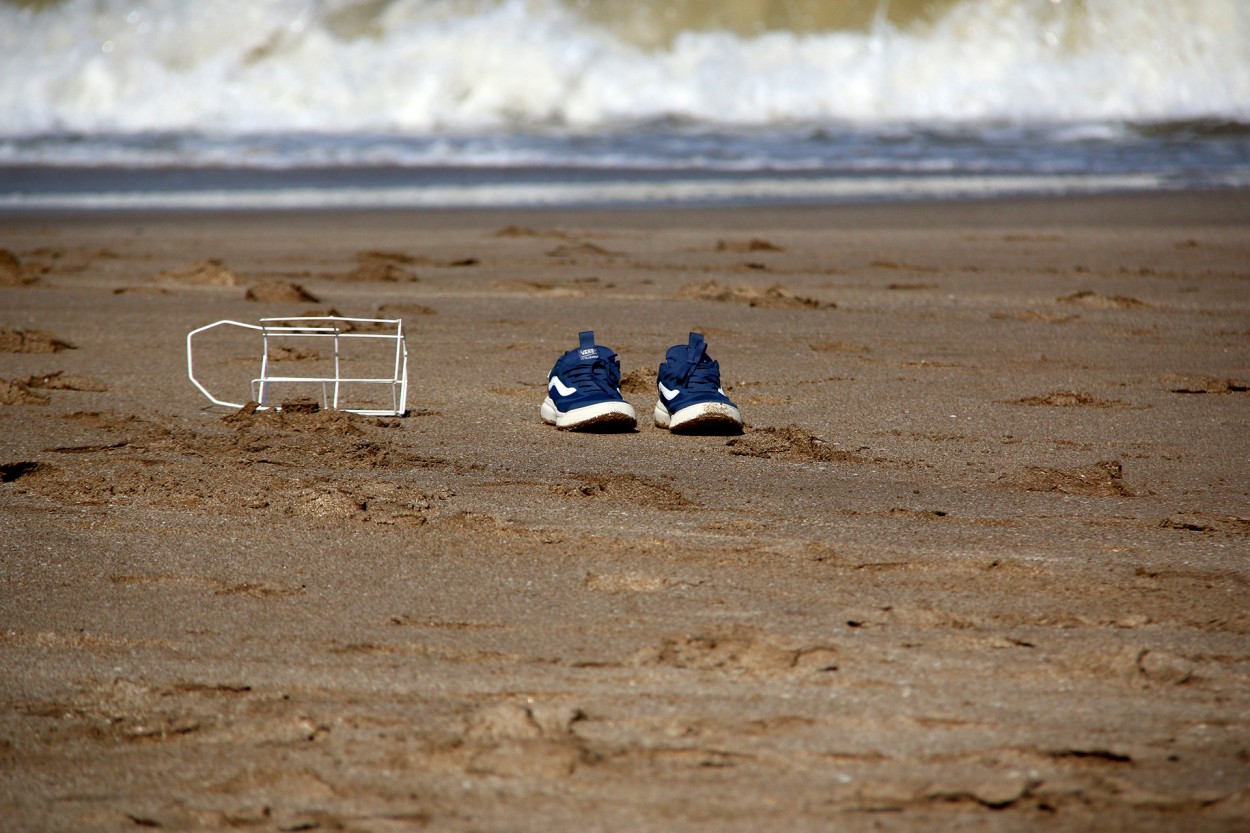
[{"x": 584, "y": 391}]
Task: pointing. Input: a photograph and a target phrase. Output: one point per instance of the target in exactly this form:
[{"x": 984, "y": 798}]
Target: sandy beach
[{"x": 979, "y": 560}]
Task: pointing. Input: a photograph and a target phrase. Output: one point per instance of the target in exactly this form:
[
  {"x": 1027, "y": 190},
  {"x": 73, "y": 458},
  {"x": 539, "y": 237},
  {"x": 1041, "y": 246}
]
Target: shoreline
[
  {"x": 195, "y": 189},
  {"x": 1221, "y": 205}
]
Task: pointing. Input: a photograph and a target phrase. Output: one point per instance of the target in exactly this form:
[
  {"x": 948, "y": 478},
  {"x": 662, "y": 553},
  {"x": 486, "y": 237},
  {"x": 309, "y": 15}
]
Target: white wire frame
[{"x": 317, "y": 327}]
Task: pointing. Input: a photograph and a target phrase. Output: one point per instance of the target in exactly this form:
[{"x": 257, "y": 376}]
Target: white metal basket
[{"x": 336, "y": 390}]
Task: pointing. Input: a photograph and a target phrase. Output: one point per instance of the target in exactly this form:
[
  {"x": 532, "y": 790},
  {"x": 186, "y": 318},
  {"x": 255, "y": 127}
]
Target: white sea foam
[
  {"x": 430, "y": 66},
  {"x": 494, "y": 195}
]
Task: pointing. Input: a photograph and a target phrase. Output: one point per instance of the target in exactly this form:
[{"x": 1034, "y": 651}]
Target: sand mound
[
  {"x": 307, "y": 417},
  {"x": 638, "y": 381}
]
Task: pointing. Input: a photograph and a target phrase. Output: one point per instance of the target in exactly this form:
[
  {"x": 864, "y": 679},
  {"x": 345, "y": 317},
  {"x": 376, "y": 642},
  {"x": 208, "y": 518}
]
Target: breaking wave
[{"x": 433, "y": 67}]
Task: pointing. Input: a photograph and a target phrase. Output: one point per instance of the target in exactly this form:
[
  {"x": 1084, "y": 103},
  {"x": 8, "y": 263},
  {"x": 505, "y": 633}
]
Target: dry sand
[{"x": 979, "y": 561}]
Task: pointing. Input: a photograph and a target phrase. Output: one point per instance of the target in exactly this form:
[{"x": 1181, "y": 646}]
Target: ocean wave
[{"x": 427, "y": 67}]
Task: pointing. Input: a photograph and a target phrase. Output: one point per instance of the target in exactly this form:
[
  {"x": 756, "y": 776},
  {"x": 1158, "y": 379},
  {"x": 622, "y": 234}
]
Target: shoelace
[
  {"x": 596, "y": 374},
  {"x": 703, "y": 375}
]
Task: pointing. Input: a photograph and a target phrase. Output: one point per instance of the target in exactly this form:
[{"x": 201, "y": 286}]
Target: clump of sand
[{"x": 776, "y": 296}]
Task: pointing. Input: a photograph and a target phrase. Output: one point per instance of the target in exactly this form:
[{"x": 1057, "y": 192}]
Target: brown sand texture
[{"x": 979, "y": 560}]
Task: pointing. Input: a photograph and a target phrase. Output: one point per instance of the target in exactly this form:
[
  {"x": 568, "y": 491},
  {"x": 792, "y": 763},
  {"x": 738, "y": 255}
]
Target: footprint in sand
[
  {"x": 58, "y": 380},
  {"x": 280, "y": 293},
  {"x": 404, "y": 310},
  {"x": 31, "y": 341},
  {"x": 539, "y": 288},
  {"x": 1207, "y": 384},
  {"x": 790, "y": 443},
  {"x": 1070, "y": 399},
  {"x": 775, "y": 296},
  {"x": 382, "y": 267},
  {"x": 1207, "y": 522},
  {"x": 1102, "y": 479},
  {"x": 1034, "y": 315},
  {"x": 29, "y": 391},
  {"x": 16, "y": 393},
  {"x": 615, "y": 583},
  {"x": 15, "y": 273},
  {"x": 907, "y": 267},
  {"x": 533, "y": 739},
  {"x": 755, "y": 244},
  {"x": 575, "y": 250},
  {"x": 211, "y": 272},
  {"x": 627, "y": 488},
  {"x": 526, "y": 231},
  {"x": 1093, "y": 300},
  {"x": 736, "y": 648},
  {"x": 839, "y": 347}
]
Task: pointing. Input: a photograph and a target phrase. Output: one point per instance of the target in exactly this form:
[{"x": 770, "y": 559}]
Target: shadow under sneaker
[
  {"x": 584, "y": 390},
  {"x": 691, "y": 398}
]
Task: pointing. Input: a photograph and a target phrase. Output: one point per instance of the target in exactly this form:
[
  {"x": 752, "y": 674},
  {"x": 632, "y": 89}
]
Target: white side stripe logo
[
  {"x": 668, "y": 394},
  {"x": 561, "y": 388}
]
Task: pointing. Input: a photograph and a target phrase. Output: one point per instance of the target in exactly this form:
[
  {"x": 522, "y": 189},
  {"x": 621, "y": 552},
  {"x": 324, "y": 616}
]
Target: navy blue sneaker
[
  {"x": 691, "y": 398},
  {"x": 584, "y": 390}
]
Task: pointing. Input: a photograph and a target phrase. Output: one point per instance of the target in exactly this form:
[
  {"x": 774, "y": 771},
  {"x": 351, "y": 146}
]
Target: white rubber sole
[
  {"x": 619, "y": 416},
  {"x": 705, "y": 417}
]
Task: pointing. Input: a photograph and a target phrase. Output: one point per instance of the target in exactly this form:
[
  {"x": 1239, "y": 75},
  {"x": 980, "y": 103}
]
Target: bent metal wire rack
[{"x": 340, "y": 332}]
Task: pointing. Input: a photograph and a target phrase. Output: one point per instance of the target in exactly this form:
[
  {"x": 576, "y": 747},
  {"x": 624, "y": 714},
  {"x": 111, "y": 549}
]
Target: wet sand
[{"x": 978, "y": 562}]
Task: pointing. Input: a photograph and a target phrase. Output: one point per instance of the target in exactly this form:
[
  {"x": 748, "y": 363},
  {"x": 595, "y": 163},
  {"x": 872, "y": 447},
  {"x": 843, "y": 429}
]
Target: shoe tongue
[
  {"x": 695, "y": 348},
  {"x": 587, "y": 350}
]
